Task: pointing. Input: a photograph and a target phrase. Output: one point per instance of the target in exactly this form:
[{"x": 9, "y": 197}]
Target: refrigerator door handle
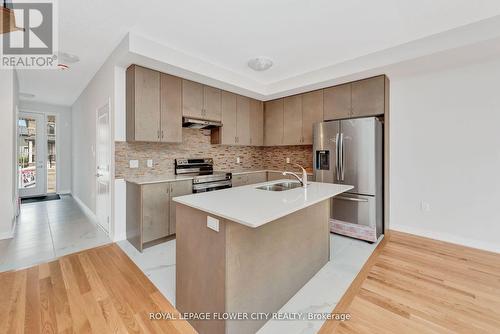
[
  {"x": 342, "y": 167},
  {"x": 337, "y": 144},
  {"x": 352, "y": 199}
]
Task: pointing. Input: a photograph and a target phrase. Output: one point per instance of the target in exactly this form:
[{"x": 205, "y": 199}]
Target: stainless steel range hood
[{"x": 193, "y": 123}]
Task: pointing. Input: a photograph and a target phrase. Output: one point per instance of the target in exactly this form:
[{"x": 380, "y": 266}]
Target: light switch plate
[
  {"x": 287, "y": 160},
  {"x": 133, "y": 163},
  {"x": 213, "y": 223},
  {"x": 238, "y": 160},
  {"x": 150, "y": 163}
]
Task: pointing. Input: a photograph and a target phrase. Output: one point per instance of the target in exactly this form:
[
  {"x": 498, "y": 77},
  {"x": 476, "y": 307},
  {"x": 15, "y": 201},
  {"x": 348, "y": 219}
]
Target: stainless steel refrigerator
[{"x": 351, "y": 152}]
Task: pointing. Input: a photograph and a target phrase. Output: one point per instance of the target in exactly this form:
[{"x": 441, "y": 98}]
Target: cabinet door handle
[
  {"x": 161, "y": 134},
  {"x": 158, "y": 134}
]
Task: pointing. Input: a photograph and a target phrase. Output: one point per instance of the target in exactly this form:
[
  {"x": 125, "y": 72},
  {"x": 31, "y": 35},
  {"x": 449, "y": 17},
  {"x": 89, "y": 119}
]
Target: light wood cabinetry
[
  {"x": 178, "y": 188},
  {"x": 171, "y": 108},
  {"x": 368, "y": 97},
  {"x": 151, "y": 210},
  {"x": 153, "y": 106},
  {"x": 363, "y": 98},
  {"x": 227, "y": 134},
  {"x": 143, "y": 104},
  {"x": 156, "y": 103},
  {"x": 337, "y": 102},
  {"x": 201, "y": 101},
  {"x": 292, "y": 120},
  {"x": 192, "y": 99},
  {"x": 212, "y": 103},
  {"x": 312, "y": 112},
  {"x": 242, "y": 121},
  {"x": 273, "y": 122},
  {"x": 256, "y": 123},
  {"x": 155, "y": 211},
  {"x": 299, "y": 113}
]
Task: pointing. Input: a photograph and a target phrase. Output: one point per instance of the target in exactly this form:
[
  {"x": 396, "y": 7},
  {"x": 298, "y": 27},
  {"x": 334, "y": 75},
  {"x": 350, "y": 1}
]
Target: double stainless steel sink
[{"x": 282, "y": 186}]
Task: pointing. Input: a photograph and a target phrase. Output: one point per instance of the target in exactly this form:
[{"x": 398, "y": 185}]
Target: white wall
[
  {"x": 107, "y": 84},
  {"x": 9, "y": 92},
  {"x": 96, "y": 94},
  {"x": 445, "y": 151},
  {"x": 63, "y": 139}
]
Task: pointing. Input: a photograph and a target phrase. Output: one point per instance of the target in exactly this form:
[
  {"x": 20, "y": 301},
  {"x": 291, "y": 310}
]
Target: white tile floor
[
  {"x": 48, "y": 230},
  {"x": 319, "y": 295}
]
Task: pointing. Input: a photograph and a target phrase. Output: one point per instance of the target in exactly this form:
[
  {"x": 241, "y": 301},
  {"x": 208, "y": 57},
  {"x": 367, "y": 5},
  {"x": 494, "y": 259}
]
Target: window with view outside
[
  {"x": 27, "y": 152},
  {"x": 51, "y": 154}
]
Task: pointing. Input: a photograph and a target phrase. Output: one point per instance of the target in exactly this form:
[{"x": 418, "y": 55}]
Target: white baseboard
[
  {"x": 85, "y": 209},
  {"x": 9, "y": 235},
  {"x": 454, "y": 239},
  {"x": 6, "y": 235},
  {"x": 64, "y": 192}
]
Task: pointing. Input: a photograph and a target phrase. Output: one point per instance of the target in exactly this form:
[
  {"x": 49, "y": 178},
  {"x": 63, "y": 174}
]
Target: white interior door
[
  {"x": 103, "y": 165},
  {"x": 31, "y": 154}
]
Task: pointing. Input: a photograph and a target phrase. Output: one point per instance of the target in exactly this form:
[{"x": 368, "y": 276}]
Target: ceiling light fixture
[
  {"x": 26, "y": 96},
  {"x": 68, "y": 58},
  {"x": 260, "y": 63}
]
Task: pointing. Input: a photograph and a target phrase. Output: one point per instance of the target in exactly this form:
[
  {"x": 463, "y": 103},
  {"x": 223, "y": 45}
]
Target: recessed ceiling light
[
  {"x": 67, "y": 58},
  {"x": 260, "y": 63},
  {"x": 26, "y": 95}
]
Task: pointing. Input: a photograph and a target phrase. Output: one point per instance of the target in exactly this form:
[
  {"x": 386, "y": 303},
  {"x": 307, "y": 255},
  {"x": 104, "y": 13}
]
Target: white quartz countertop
[{"x": 254, "y": 207}]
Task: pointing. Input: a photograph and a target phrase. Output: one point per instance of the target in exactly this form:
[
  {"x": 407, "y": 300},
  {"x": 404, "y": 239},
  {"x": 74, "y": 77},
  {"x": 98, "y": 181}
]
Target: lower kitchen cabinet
[
  {"x": 178, "y": 188},
  {"x": 151, "y": 210}
]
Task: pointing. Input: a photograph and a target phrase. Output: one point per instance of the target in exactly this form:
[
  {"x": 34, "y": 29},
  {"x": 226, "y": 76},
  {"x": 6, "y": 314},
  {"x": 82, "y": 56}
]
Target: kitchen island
[{"x": 247, "y": 250}]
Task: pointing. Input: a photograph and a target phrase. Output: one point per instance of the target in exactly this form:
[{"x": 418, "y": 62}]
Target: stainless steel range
[{"x": 205, "y": 178}]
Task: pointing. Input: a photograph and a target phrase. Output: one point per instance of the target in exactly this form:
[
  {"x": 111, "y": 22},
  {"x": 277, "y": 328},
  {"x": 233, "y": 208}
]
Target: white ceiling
[{"x": 300, "y": 36}]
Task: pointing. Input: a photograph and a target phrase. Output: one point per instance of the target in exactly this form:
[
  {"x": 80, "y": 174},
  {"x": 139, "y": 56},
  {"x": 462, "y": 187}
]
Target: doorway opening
[{"x": 37, "y": 152}]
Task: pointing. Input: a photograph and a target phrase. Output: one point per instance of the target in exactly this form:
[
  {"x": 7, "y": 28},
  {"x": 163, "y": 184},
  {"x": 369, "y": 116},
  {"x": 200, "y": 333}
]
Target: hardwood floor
[
  {"x": 95, "y": 291},
  {"x": 418, "y": 285}
]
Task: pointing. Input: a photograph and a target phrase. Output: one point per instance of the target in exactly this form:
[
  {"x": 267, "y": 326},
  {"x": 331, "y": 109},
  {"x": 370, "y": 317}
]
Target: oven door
[{"x": 211, "y": 186}]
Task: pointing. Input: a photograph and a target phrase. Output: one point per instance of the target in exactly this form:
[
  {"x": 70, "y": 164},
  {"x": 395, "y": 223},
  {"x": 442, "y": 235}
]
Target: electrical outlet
[
  {"x": 133, "y": 163},
  {"x": 238, "y": 160},
  {"x": 425, "y": 206},
  {"x": 149, "y": 163},
  {"x": 213, "y": 223},
  {"x": 287, "y": 160}
]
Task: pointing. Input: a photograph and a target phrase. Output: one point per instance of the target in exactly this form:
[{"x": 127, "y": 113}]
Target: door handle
[
  {"x": 337, "y": 157},
  {"x": 342, "y": 167},
  {"x": 352, "y": 199}
]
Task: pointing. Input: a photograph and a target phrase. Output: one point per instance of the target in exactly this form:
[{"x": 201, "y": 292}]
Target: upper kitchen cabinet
[
  {"x": 143, "y": 104},
  {"x": 292, "y": 120},
  {"x": 243, "y": 120},
  {"x": 192, "y": 99},
  {"x": 256, "y": 123},
  {"x": 361, "y": 98},
  {"x": 153, "y": 106},
  {"x": 200, "y": 101},
  {"x": 337, "y": 102},
  {"x": 368, "y": 97},
  {"x": 273, "y": 122},
  {"x": 236, "y": 121},
  {"x": 312, "y": 112},
  {"x": 171, "y": 108},
  {"x": 226, "y": 135},
  {"x": 212, "y": 103}
]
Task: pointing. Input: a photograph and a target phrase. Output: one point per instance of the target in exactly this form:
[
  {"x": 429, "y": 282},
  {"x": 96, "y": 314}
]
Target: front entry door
[
  {"x": 103, "y": 162},
  {"x": 31, "y": 157}
]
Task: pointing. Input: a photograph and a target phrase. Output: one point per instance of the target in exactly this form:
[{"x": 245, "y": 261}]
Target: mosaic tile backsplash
[{"x": 196, "y": 144}]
